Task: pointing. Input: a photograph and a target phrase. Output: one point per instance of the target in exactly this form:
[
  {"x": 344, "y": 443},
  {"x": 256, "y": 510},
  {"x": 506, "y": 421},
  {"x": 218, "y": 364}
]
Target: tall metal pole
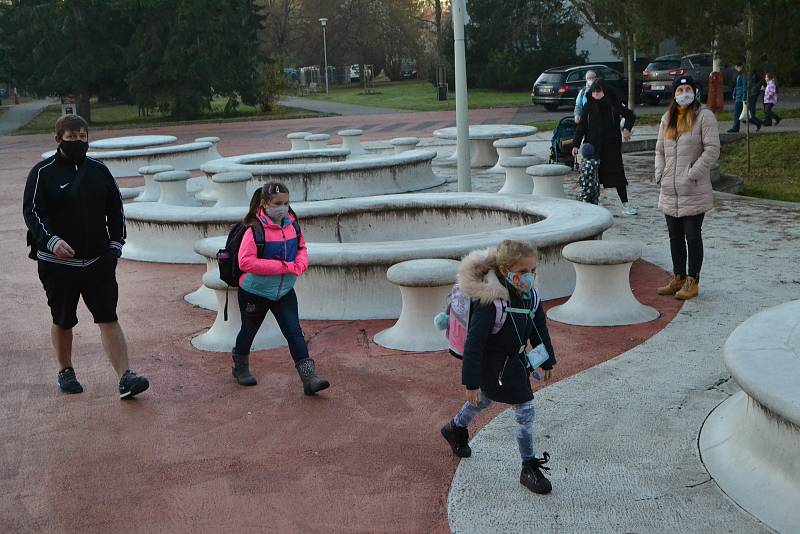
[
  {"x": 749, "y": 60},
  {"x": 462, "y": 104},
  {"x": 325, "y": 52}
]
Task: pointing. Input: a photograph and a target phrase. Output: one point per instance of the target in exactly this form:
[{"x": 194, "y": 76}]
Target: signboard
[{"x": 68, "y": 105}]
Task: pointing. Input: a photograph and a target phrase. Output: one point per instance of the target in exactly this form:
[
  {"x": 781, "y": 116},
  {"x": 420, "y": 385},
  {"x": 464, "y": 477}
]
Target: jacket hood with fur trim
[{"x": 477, "y": 278}]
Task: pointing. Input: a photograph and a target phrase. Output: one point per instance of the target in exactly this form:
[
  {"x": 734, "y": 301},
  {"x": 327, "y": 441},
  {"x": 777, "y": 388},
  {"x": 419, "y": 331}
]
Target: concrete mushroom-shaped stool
[
  {"x": 173, "y": 188},
  {"x": 751, "y": 442},
  {"x": 298, "y": 140},
  {"x": 517, "y": 180},
  {"x": 316, "y": 141},
  {"x": 506, "y": 148},
  {"x": 221, "y": 337},
  {"x": 152, "y": 191},
  {"x": 213, "y": 152},
  {"x": 231, "y": 189},
  {"x": 602, "y": 295},
  {"x": 424, "y": 287},
  {"x": 404, "y": 144},
  {"x": 548, "y": 179},
  {"x": 351, "y": 140}
]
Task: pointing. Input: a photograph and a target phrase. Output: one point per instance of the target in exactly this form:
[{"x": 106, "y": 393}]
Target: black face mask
[{"x": 74, "y": 151}]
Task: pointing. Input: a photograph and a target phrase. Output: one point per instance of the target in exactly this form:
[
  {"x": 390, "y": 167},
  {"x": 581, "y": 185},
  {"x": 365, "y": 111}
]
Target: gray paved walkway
[
  {"x": 337, "y": 108},
  {"x": 623, "y": 435},
  {"x": 16, "y": 117}
]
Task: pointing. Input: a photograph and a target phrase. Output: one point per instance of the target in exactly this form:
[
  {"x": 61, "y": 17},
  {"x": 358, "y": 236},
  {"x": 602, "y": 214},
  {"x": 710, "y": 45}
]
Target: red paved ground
[{"x": 197, "y": 453}]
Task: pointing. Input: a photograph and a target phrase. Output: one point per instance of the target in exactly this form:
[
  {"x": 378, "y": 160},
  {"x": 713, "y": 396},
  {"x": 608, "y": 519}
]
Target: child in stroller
[
  {"x": 561, "y": 142},
  {"x": 588, "y": 182}
]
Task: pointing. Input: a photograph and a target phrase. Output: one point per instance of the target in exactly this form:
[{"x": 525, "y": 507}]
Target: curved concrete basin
[
  {"x": 167, "y": 234},
  {"x": 396, "y": 173},
  {"x": 287, "y": 157},
  {"x": 352, "y": 242},
  {"x": 750, "y": 443},
  {"x": 186, "y": 157}
]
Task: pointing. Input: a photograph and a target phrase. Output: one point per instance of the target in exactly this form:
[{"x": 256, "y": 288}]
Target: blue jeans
[
  {"x": 523, "y": 413},
  {"x": 738, "y": 106},
  {"x": 254, "y": 310}
]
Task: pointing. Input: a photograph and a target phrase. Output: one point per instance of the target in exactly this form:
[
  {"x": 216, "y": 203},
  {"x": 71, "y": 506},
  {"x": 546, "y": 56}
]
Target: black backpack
[{"x": 228, "y": 257}]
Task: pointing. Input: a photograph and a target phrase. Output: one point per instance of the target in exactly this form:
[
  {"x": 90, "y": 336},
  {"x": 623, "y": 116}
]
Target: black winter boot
[
  {"x": 308, "y": 374},
  {"x": 458, "y": 438},
  {"x": 531, "y": 476},
  {"x": 241, "y": 370}
]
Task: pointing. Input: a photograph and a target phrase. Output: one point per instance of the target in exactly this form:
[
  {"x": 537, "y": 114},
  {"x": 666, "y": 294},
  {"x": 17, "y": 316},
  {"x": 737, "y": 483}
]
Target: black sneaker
[
  {"x": 68, "y": 382},
  {"x": 131, "y": 385},
  {"x": 778, "y": 120},
  {"x": 458, "y": 438},
  {"x": 531, "y": 476}
]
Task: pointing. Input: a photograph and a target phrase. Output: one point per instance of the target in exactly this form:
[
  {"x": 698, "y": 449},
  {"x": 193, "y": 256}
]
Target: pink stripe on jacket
[{"x": 250, "y": 263}]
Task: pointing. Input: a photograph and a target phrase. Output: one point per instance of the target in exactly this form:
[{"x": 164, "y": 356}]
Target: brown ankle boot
[
  {"x": 673, "y": 287},
  {"x": 689, "y": 290}
]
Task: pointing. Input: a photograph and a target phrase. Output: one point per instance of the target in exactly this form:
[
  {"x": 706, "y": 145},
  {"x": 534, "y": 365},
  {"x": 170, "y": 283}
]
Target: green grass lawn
[
  {"x": 121, "y": 115},
  {"x": 774, "y": 171},
  {"x": 421, "y": 96}
]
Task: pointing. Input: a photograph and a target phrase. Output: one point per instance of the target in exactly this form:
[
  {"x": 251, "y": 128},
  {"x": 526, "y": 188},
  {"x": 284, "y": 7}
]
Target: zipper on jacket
[
  {"x": 280, "y": 284},
  {"x": 675, "y": 175}
]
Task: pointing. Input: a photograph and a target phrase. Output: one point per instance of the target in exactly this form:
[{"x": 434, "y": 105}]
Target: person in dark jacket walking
[
  {"x": 600, "y": 127},
  {"x": 739, "y": 96},
  {"x": 494, "y": 366},
  {"x": 754, "y": 88},
  {"x": 76, "y": 230}
]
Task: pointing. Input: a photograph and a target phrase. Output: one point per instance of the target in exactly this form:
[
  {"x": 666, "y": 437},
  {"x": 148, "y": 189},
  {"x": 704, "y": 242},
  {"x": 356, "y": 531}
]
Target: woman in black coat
[{"x": 599, "y": 126}]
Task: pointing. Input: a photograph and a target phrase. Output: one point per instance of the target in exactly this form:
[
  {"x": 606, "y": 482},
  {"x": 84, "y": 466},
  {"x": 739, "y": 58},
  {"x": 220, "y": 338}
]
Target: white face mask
[
  {"x": 589, "y": 83},
  {"x": 684, "y": 99}
]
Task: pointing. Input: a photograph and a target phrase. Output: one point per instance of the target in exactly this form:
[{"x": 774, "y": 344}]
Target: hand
[
  {"x": 63, "y": 250},
  {"x": 577, "y": 119},
  {"x": 472, "y": 396},
  {"x": 546, "y": 374},
  {"x": 626, "y": 135},
  {"x": 574, "y": 152}
]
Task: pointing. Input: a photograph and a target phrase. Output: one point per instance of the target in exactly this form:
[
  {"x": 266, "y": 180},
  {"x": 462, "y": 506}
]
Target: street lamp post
[
  {"x": 324, "y": 23},
  {"x": 462, "y": 105}
]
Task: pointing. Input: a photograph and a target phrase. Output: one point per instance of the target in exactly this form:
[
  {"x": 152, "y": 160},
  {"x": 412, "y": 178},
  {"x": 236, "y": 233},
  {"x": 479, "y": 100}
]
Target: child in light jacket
[{"x": 770, "y": 100}]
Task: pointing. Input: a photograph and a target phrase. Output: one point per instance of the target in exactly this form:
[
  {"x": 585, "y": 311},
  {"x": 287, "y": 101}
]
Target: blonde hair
[{"x": 510, "y": 252}]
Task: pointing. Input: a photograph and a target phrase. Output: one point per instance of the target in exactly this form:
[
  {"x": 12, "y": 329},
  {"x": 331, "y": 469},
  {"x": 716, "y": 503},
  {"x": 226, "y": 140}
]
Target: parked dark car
[
  {"x": 658, "y": 76},
  {"x": 560, "y": 86}
]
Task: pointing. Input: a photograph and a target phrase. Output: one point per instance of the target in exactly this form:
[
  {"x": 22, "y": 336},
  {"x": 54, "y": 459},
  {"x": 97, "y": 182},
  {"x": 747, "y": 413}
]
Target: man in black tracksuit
[{"x": 76, "y": 229}]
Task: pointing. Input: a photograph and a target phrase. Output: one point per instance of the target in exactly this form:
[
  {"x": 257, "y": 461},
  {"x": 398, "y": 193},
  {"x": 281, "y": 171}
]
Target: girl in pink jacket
[
  {"x": 270, "y": 272},
  {"x": 770, "y": 99}
]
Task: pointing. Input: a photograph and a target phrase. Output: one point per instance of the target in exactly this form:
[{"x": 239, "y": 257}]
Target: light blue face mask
[
  {"x": 522, "y": 281},
  {"x": 277, "y": 214}
]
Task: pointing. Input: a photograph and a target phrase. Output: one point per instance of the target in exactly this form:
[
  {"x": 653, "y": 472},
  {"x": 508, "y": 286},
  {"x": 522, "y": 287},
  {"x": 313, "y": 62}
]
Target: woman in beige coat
[{"x": 688, "y": 144}]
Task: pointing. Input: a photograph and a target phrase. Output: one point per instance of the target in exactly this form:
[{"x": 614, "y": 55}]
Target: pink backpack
[
  {"x": 458, "y": 305},
  {"x": 457, "y": 313}
]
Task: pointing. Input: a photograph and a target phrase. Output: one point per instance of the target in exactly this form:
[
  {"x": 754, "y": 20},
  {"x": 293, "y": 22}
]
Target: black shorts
[{"x": 96, "y": 283}]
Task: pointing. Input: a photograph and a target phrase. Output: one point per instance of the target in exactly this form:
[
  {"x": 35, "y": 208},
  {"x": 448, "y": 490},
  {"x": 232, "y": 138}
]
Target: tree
[
  {"x": 511, "y": 41},
  {"x": 68, "y": 47},
  {"x": 627, "y": 25},
  {"x": 185, "y": 51}
]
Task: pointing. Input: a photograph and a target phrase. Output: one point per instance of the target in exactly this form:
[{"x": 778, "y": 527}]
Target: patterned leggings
[{"x": 523, "y": 413}]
